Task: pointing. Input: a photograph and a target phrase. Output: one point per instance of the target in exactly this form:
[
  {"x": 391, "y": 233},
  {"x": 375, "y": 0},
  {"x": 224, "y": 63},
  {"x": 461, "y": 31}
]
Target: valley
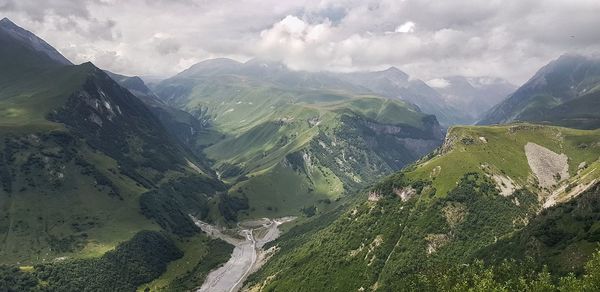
[
  {"x": 477, "y": 191},
  {"x": 279, "y": 130},
  {"x": 108, "y": 163},
  {"x": 267, "y": 175},
  {"x": 248, "y": 255}
]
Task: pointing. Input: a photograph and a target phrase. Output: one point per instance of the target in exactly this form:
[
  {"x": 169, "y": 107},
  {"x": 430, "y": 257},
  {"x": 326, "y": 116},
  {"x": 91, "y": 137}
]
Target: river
[{"x": 247, "y": 256}]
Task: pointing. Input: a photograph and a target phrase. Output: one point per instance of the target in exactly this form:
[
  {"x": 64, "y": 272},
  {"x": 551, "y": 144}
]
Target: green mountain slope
[
  {"x": 582, "y": 112},
  {"x": 290, "y": 142},
  {"x": 561, "y": 237},
  {"x": 390, "y": 83},
  {"x": 189, "y": 130},
  {"x": 483, "y": 187},
  {"x": 393, "y": 83},
  {"x": 563, "y": 92},
  {"x": 32, "y": 50},
  {"x": 86, "y": 168}
]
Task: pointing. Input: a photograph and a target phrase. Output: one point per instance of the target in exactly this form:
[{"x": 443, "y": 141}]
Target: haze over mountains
[
  {"x": 106, "y": 180},
  {"x": 459, "y": 102},
  {"x": 564, "y": 92},
  {"x": 474, "y": 96}
]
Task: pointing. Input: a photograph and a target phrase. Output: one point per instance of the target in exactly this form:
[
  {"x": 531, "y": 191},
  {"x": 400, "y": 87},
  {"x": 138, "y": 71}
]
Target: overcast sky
[{"x": 426, "y": 38}]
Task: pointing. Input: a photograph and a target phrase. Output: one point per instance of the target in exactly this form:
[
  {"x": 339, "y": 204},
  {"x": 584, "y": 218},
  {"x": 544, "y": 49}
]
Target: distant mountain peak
[
  {"x": 219, "y": 60},
  {"x": 210, "y": 66},
  {"x": 567, "y": 63},
  {"x": 569, "y": 59},
  {"x": 16, "y": 34},
  {"x": 393, "y": 69},
  {"x": 7, "y": 25},
  {"x": 561, "y": 92},
  {"x": 572, "y": 57},
  {"x": 5, "y": 21},
  {"x": 394, "y": 74},
  {"x": 265, "y": 63}
]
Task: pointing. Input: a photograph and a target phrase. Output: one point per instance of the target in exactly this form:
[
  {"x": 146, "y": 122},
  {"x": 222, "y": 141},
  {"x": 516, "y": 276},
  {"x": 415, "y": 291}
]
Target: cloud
[
  {"x": 166, "y": 45},
  {"x": 426, "y": 38},
  {"x": 438, "y": 83},
  {"x": 408, "y": 26}
]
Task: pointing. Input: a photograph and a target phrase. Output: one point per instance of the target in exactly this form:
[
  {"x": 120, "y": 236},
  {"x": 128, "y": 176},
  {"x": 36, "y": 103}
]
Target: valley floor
[{"x": 248, "y": 238}]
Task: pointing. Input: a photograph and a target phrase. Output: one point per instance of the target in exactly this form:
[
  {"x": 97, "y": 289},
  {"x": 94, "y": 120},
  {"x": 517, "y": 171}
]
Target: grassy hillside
[
  {"x": 191, "y": 132},
  {"x": 500, "y": 151},
  {"x": 92, "y": 184},
  {"x": 395, "y": 84},
  {"x": 288, "y": 149},
  {"x": 73, "y": 172},
  {"x": 450, "y": 209},
  {"x": 28, "y": 98}
]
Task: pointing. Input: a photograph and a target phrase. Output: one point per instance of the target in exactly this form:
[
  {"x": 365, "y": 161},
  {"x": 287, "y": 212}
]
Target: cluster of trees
[
  {"x": 101, "y": 179},
  {"x": 12, "y": 279},
  {"x": 170, "y": 204},
  {"x": 229, "y": 206},
  {"x": 437, "y": 243},
  {"x": 56, "y": 146},
  {"x": 132, "y": 263},
  {"x": 507, "y": 276},
  {"x": 220, "y": 252},
  {"x": 561, "y": 237},
  {"x": 6, "y": 160}
]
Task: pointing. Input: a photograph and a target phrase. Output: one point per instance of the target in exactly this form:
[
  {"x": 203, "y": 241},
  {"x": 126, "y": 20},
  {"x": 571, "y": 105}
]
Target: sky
[{"x": 428, "y": 39}]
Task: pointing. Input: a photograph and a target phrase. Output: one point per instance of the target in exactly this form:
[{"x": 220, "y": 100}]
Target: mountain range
[
  {"x": 279, "y": 130},
  {"x": 489, "y": 193},
  {"x": 474, "y": 95},
  {"x": 461, "y": 101},
  {"x": 91, "y": 160},
  {"x": 105, "y": 180},
  {"x": 564, "y": 92},
  {"x": 87, "y": 166}
]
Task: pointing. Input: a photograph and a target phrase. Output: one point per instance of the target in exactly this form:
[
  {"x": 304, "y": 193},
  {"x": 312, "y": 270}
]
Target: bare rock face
[
  {"x": 505, "y": 184},
  {"x": 374, "y": 196},
  {"x": 435, "y": 242},
  {"x": 405, "y": 193},
  {"x": 549, "y": 167}
]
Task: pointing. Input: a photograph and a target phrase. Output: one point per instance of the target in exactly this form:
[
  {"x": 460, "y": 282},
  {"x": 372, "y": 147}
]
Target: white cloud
[
  {"x": 438, "y": 83},
  {"x": 408, "y": 26},
  {"x": 426, "y": 38}
]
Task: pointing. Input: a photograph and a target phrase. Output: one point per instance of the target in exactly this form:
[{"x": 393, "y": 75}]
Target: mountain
[
  {"x": 14, "y": 37},
  {"x": 551, "y": 237},
  {"x": 188, "y": 129},
  {"x": 473, "y": 95},
  {"x": 390, "y": 83},
  {"x": 295, "y": 141},
  {"x": 86, "y": 168},
  {"x": 495, "y": 194},
  {"x": 393, "y": 83},
  {"x": 564, "y": 92},
  {"x": 274, "y": 73}
]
